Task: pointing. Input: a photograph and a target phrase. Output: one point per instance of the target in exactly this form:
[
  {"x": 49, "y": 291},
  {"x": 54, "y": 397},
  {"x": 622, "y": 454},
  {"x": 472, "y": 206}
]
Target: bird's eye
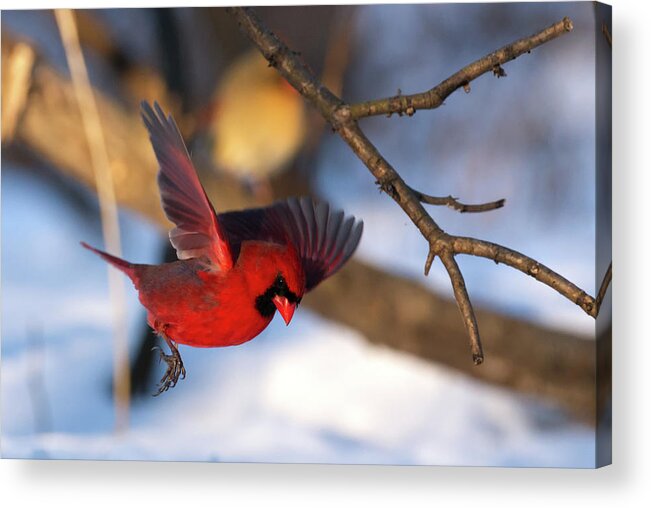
[{"x": 281, "y": 279}]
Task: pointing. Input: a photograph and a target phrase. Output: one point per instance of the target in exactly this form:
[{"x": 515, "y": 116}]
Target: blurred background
[{"x": 375, "y": 368}]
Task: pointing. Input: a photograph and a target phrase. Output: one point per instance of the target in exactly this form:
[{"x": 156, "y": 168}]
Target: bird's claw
[{"x": 175, "y": 370}]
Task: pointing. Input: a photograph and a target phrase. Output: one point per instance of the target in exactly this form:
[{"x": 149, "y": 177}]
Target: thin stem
[
  {"x": 465, "y": 307},
  {"x": 527, "y": 265},
  {"x": 108, "y": 209},
  {"x": 455, "y": 204},
  {"x": 433, "y": 98}
]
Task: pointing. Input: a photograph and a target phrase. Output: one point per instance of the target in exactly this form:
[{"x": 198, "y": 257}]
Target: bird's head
[{"x": 284, "y": 284}]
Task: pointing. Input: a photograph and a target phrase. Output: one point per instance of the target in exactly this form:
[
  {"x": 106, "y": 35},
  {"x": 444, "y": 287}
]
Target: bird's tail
[{"x": 120, "y": 264}]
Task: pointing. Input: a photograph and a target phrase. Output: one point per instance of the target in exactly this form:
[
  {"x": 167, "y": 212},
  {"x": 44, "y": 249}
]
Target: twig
[
  {"x": 604, "y": 287},
  {"x": 463, "y": 302},
  {"x": 455, "y": 204},
  {"x": 108, "y": 209},
  {"x": 527, "y": 265},
  {"x": 409, "y": 104},
  {"x": 342, "y": 119}
]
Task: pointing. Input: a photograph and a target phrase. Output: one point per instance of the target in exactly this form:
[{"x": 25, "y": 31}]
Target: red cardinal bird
[{"x": 235, "y": 269}]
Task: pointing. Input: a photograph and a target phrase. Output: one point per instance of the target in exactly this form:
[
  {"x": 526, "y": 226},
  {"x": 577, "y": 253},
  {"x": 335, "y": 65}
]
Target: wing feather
[
  {"x": 323, "y": 239},
  {"x": 198, "y": 232}
]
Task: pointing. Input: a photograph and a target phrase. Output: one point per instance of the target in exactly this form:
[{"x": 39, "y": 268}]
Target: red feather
[{"x": 197, "y": 232}]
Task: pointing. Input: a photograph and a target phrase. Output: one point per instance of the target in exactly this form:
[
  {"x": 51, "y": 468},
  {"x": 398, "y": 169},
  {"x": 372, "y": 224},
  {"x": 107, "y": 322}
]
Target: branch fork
[{"x": 343, "y": 118}]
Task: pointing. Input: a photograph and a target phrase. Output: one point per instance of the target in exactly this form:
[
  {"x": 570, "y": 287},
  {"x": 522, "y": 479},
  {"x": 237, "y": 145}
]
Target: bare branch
[
  {"x": 604, "y": 287},
  {"x": 525, "y": 264},
  {"x": 342, "y": 117},
  {"x": 409, "y": 104},
  {"x": 455, "y": 204},
  {"x": 463, "y": 302}
]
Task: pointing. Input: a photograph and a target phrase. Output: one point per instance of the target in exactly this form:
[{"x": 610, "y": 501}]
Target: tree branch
[
  {"x": 455, "y": 204},
  {"x": 463, "y": 301},
  {"x": 343, "y": 117},
  {"x": 409, "y": 104},
  {"x": 527, "y": 265}
]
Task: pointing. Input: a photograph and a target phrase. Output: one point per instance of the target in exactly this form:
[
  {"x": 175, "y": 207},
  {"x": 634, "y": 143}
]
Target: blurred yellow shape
[{"x": 259, "y": 124}]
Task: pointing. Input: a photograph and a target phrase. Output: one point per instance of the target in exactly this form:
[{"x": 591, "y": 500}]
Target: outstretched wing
[
  {"x": 198, "y": 231},
  {"x": 323, "y": 237}
]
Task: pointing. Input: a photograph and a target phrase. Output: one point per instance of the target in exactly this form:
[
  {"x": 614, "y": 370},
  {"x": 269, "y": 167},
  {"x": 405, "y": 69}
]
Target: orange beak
[{"x": 285, "y": 308}]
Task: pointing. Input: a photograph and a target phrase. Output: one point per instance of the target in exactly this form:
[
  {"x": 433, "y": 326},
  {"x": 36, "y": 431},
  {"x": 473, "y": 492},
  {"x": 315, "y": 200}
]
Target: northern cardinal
[
  {"x": 259, "y": 120},
  {"x": 235, "y": 269}
]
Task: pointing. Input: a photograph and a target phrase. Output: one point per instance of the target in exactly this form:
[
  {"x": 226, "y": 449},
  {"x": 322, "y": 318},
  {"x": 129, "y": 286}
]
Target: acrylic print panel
[{"x": 378, "y": 365}]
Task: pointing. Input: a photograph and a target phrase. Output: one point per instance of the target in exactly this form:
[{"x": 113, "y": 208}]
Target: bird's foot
[{"x": 175, "y": 369}]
